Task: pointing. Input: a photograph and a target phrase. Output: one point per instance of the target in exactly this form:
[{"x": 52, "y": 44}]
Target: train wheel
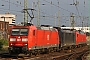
[
  {"x": 35, "y": 52},
  {"x": 38, "y": 53},
  {"x": 57, "y": 50},
  {"x": 30, "y": 54},
  {"x": 10, "y": 52},
  {"x": 48, "y": 51}
]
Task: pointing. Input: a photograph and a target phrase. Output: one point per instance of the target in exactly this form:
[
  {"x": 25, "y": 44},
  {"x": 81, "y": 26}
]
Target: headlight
[
  {"x": 24, "y": 39},
  {"x": 12, "y": 39}
]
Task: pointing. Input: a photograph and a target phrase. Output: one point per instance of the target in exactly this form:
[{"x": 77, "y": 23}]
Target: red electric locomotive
[
  {"x": 24, "y": 39},
  {"x": 80, "y": 37}
]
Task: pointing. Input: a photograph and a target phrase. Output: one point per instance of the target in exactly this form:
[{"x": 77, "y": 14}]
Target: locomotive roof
[{"x": 46, "y": 27}]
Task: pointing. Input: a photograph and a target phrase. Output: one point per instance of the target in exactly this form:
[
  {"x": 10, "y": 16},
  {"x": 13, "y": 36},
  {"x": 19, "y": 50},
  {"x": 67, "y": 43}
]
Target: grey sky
[{"x": 50, "y": 10}]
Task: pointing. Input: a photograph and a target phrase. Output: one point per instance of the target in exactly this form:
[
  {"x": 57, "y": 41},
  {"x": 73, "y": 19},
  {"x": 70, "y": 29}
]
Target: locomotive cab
[{"x": 20, "y": 37}]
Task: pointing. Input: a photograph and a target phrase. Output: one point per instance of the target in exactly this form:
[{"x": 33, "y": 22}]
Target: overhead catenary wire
[
  {"x": 12, "y": 13},
  {"x": 18, "y": 5},
  {"x": 58, "y": 6},
  {"x": 13, "y": 3},
  {"x": 44, "y": 0},
  {"x": 41, "y": 11},
  {"x": 5, "y": 10}
]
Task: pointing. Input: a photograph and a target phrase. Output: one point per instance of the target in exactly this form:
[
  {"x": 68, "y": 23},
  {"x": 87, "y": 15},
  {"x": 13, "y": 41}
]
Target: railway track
[
  {"x": 86, "y": 56},
  {"x": 73, "y": 54}
]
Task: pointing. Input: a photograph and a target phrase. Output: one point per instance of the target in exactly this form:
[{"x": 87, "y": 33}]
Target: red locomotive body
[{"x": 46, "y": 38}]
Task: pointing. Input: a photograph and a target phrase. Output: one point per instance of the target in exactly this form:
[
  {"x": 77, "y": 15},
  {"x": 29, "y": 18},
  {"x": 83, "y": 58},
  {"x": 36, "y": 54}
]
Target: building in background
[
  {"x": 7, "y": 17},
  {"x": 6, "y": 21},
  {"x": 4, "y": 29}
]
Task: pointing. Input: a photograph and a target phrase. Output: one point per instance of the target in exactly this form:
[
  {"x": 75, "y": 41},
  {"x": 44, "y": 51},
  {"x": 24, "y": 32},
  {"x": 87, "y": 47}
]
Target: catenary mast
[
  {"x": 38, "y": 16},
  {"x": 25, "y": 12}
]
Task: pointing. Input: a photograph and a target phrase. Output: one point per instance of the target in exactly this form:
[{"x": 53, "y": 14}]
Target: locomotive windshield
[{"x": 19, "y": 31}]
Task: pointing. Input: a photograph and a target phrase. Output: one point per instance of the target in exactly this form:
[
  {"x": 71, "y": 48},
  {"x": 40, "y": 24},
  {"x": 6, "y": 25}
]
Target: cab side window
[
  {"x": 77, "y": 35},
  {"x": 33, "y": 32}
]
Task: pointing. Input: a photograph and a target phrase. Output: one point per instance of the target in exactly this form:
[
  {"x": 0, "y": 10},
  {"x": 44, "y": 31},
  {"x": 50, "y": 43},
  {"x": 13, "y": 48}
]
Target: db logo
[
  {"x": 47, "y": 37},
  {"x": 18, "y": 39}
]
